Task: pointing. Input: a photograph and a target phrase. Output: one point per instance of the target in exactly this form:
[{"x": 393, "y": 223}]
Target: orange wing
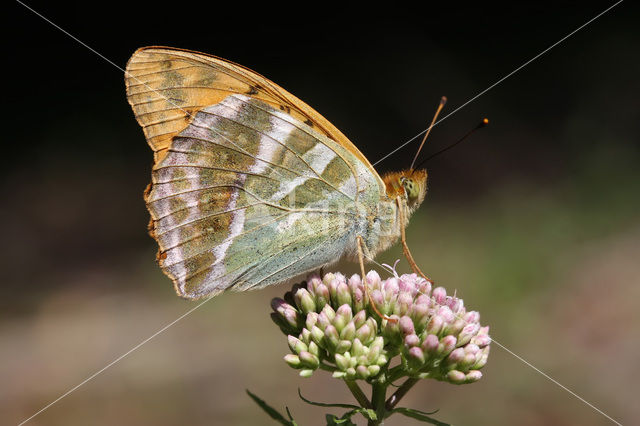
[{"x": 166, "y": 86}]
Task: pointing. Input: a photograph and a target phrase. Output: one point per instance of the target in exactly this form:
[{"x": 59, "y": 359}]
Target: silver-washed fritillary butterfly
[{"x": 250, "y": 186}]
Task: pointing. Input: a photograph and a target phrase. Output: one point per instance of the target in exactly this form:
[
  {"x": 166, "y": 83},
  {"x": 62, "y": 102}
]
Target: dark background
[{"x": 534, "y": 220}]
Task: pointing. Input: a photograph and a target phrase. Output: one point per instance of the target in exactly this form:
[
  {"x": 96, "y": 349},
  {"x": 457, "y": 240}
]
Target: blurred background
[{"x": 534, "y": 221}]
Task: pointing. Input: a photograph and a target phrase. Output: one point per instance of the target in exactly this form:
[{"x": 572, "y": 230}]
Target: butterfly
[{"x": 250, "y": 186}]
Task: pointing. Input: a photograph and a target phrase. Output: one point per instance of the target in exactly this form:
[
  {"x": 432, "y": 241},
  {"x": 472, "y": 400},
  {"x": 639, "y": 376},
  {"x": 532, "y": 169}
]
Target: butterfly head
[{"x": 409, "y": 184}]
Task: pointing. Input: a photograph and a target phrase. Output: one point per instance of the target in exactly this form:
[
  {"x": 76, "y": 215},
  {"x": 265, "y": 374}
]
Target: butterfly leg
[
  {"x": 367, "y": 294},
  {"x": 405, "y": 247}
]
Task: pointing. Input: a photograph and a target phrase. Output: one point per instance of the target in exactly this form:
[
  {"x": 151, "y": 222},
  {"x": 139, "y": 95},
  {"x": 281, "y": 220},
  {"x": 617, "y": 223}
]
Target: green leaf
[
  {"x": 418, "y": 415},
  {"x": 368, "y": 413},
  {"x": 322, "y": 404},
  {"x": 333, "y": 420},
  {"x": 346, "y": 417},
  {"x": 272, "y": 412}
]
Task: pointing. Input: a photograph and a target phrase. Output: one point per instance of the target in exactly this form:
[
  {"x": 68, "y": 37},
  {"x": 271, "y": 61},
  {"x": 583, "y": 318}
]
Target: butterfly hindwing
[{"x": 248, "y": 196}]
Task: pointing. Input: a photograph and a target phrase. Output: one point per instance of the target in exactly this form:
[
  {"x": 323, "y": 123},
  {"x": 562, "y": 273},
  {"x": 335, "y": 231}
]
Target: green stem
[
  {"x": 400, "y": 392},
  {"x": 358, "y": 394},
  {"x": 378, "y": 395}
]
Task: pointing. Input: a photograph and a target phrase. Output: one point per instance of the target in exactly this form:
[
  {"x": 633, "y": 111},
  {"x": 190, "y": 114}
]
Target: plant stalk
[
  {"x": 378, "y": 395},
  {"x": 358, "y": 394}
]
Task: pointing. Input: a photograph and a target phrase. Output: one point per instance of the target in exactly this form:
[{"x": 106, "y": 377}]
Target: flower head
[{"x": 331, "y": 325}]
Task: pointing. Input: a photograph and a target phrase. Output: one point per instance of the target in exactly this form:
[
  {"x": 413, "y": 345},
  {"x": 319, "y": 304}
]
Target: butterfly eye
[{"x": 409, "y": 187}]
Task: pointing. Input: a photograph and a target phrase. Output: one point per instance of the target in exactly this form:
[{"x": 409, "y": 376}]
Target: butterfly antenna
[
  {"x": 480, "y": 125},
  {"x": 443, "y": 101}
]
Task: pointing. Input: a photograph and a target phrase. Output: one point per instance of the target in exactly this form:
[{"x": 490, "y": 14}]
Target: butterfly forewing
[{"x": 166, "y": 86}]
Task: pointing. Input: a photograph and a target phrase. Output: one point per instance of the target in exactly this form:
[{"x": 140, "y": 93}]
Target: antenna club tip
[
  {"x": 443, "y": 100},
  {"x": 484, "y": 122}
]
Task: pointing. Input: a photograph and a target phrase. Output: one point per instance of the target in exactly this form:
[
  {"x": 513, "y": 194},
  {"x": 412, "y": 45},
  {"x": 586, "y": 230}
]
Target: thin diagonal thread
[
  {"x": 103, "y": 57},
  {"x": 545, "y": 375}
]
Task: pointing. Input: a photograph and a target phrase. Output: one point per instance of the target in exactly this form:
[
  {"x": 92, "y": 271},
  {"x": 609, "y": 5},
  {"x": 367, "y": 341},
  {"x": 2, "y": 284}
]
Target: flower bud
[
  {"x": 373, "y": 280},
  {"x": 467, "y": 333},
  {"x": 306, "y": 373},
  {"x": 456, "y": 356},
  {"x": 357, "y": 348},
  {"x": 305, "y": 336},
  {"x": 317, "y": 335},
  {"x": 327, "y": 278},
  {"x": 343, "y": 346},
  {"x": 407, "y": 283},
  {"x": 375, "y": 350},
  {"x": 424, "y": 287},
  {"x": 481, "y": 361},
  {"x": 404, "y": 303},
  {"x": 473, "y": 376},
  {"x": 355, "y": 283},
  {"x": 455, "y": 304},
  {"x": 334, "y": 284},
  {"x": 446, "y": 314},
  {"x": 313, "y": 348},
  {"x": 348, "y": 332},
  {"x": 420, "y": 315},
  {"x": 471, "y": 349},
  {"x": 391, "y": 289},
  {"x": 435, "y": 324},
  {"x": 411, "y": 340},
  {"x": 296, "y": 344},
  {"x": 360, "y": 318},
  {"x": 382, "y": 360},
  {"x": 311, "y": 320},
  {"x": 323, "y": 319},
  {"x": 357, "y": 292},
  {"x": 456, "y": 377},
  {"x": 406, "y": 326},
  {"x": 292, "y": 360},
  {"x": 304, "y": 300},
  {"x": 439, "y": 294},
  {"x": 472, "y": 316},
  {"x": 343, "y": 294},
  {"x": 448, "y": 344},
  {"x": 328, "y": 312},
  {"x": 331, "y": 336},
  {"x": 481, "y": 340},
  {"x": 322, "y": 296},
  {"x": 362, "y": 372},
  {"x": 351, "y": 372},
  {"x": 373, "y": 370},
  {"x": 378, "y": 299},
  {"x": 364, "y": 333},
  {"x": 416, "y": 356},
  {"x": 313, "y": 282},
  {"x": 345, "y": 311},
  {"x": 342, "y": 362},
  {"x": 309, "y": 359}
]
